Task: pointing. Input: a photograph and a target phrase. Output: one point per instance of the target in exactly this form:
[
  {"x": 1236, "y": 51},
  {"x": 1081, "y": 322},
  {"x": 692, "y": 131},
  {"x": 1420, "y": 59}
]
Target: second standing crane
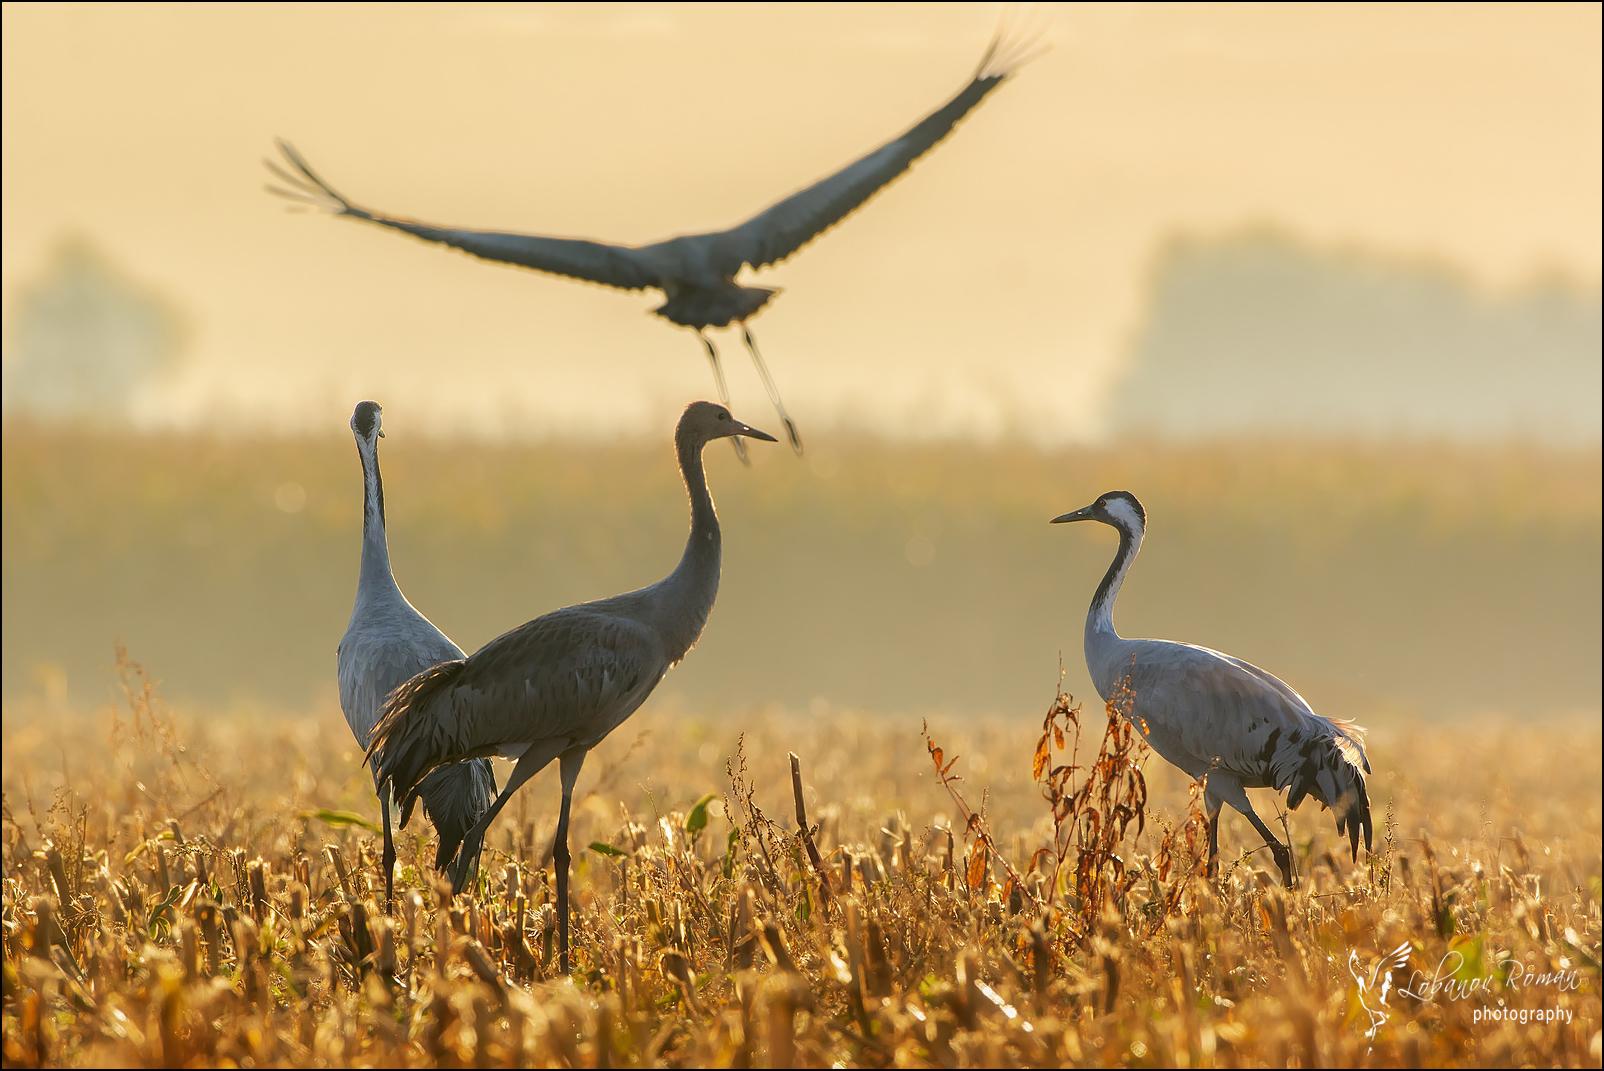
[
  {"x": 388, "y": 642},
  {"x": 553, "y": 688}
]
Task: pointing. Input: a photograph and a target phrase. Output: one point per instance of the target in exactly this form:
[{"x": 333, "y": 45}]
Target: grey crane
[
  {"x": 387, "y": 643},
  {"x": 1209, "y": 713},
  {"x": 696, "y": 272},
  {"x": 554, "y": 687}
]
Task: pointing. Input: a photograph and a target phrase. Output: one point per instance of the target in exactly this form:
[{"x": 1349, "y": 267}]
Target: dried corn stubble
[{"x": 174, "y": 903}]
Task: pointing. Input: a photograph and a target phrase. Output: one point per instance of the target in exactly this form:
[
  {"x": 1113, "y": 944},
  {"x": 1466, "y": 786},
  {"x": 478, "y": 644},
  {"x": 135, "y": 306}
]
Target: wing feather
[
  {"x": 572, "y": 675},
  {"x": 1208, "y": 710},
  {"x": 577, "y": 258},
  {"x": 787, "y": 225}
]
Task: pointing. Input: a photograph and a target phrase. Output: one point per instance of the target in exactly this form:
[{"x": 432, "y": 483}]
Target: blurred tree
[
  {"x": 87, "y": 339},
  {"x": 1255, "y": 332}
]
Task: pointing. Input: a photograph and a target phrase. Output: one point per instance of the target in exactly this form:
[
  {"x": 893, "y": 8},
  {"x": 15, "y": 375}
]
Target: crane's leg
[
  {"x": 1214, "y": 839},
  {"x": 571, "y": 761},
  {"x": 533, "y": 761},
  {"x": 1283, "y": 856},
  {"x": 723, "y": 393},
  {"x": 774, "y": 392},
  {"x": 1225, "y": 789},
  {"x": 389, "y": 853}
]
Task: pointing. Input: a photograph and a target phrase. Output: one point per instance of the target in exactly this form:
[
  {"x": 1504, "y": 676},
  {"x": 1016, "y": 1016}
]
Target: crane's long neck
[
  {"x": 1100, "y": 617},
  {"x": 688, "y": 592},
  {"x": 375, "y": 579}
]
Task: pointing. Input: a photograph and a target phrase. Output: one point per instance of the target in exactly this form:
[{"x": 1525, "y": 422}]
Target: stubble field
[{"x": 195, "y": 891}]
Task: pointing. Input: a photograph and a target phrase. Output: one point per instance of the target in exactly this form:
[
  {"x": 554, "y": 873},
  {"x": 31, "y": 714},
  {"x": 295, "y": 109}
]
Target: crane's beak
[
  {"x": 737, "y": 428},
  {"x": 1082, "y": 514}
]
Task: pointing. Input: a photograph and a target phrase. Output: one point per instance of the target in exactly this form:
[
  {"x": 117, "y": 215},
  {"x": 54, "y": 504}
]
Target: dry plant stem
[
  {"x": 973, "y": 822},
  {"x": 806, "y": 832}
]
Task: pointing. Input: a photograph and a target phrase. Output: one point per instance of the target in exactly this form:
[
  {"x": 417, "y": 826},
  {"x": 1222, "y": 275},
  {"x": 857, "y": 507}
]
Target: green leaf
[
  {"x": 696, "y": 821},
  {"x": 341, "y": 818},
  {"x": 603, "y": 848}
]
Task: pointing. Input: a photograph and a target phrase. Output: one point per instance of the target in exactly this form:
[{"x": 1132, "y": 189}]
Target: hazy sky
[{"x": 994, "y": 288}]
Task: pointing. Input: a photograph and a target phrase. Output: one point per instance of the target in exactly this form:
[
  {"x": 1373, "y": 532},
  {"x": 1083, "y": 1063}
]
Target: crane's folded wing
[
  {"x": 570, "y": 675},
  {"x": 1234, "y": 716}
]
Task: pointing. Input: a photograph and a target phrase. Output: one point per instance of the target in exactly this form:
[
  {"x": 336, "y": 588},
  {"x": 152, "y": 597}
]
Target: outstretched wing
[
  {"x": 578, "y": 258},
  {"x": 783, "y": 228},
  {"x": 570, "y": 676}
]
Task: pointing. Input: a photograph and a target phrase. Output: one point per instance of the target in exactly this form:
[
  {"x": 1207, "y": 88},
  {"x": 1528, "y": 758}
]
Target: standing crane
[
  {"x": 554, "y": 687},
  {"x": 1209, "y": 713},
  {"x": 696, "y": 272},
  {"x": 386, "y": 643}
]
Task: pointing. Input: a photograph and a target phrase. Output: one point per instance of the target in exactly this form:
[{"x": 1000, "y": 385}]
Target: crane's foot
[
  {"x": 1283, "y": 862},
  {"x": 463, "y": 871},
  {"x": 740, "y": 449},
  {"x": 791, "y": 433}
]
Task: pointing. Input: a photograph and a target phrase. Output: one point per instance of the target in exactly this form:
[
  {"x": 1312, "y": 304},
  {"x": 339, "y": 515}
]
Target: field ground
[{"x": 200, "y": 891}]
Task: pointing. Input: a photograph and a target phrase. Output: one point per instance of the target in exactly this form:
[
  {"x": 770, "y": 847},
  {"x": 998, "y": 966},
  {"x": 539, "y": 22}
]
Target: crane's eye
[{"x": 724, "y": 415}]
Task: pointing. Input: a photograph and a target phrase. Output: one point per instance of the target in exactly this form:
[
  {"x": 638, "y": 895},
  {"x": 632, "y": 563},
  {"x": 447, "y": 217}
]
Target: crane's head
[
  {"x": 705, "y": 421},
  {"x": 368, "y": 421},
  {"x": 1117, "y": 508}
]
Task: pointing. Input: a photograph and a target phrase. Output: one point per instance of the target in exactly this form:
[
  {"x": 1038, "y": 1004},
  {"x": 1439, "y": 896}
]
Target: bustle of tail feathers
[
  {"x": 1332, "y": 769},
  {"x": 407, "y": 742},
  {"x": 454, "y": 798}
]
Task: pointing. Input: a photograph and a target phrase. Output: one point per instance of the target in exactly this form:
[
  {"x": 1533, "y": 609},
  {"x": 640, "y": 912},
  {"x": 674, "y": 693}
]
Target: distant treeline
[{"x": 1256, "y": 332}]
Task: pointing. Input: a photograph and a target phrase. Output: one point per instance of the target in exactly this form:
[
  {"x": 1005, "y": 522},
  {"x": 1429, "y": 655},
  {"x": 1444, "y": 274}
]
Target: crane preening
[
  {"x": 388, "y": 642},
  {"x": 1209, "y": 713},
  {"x": 555, "y": 687},
  {"x": 696, "y": 272}
]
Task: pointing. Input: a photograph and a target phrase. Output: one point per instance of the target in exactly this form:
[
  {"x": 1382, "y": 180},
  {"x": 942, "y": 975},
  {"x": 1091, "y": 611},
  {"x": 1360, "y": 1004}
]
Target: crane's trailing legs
[
  {"x": 1223, "y": 789},
  {"x": 723, "y": 392},
  {"x": 774, "y": 392}
]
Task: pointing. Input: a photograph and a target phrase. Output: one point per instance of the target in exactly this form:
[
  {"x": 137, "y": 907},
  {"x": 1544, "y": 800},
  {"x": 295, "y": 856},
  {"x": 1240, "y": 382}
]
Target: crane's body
[
  {"x": 695, "y": 272},
  {"x": 554, "y": 687},
  {"x": 1211, "y": 714},
  {"x": 386, "y": 643}
]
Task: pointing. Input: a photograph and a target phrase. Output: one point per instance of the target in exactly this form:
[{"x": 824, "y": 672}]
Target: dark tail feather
[
  {"x": 1332, "y": 770},
  {"x": 455, "y": 797}
]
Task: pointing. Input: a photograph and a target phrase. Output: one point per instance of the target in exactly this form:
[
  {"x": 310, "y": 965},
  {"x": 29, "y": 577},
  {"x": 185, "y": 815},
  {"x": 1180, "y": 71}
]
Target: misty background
[{"x": 1321, "y": 285}]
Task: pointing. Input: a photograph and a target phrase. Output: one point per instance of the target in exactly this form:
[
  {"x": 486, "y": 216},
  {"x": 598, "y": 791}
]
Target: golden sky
[{"x": 993, "y": 289}]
